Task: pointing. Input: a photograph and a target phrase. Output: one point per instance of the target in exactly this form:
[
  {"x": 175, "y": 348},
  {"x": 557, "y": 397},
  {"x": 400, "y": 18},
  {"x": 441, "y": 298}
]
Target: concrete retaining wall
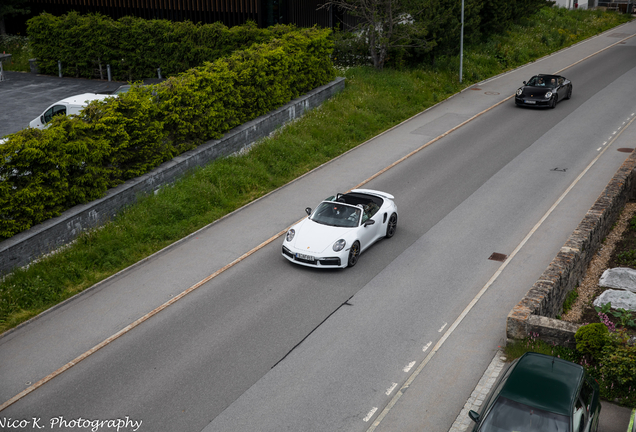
[
  {"x": 535, "y": 314},
  {"x": 23, "y": 248}
]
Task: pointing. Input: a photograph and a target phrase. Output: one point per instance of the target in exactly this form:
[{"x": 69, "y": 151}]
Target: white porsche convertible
[{"x": 341, "y": 228}]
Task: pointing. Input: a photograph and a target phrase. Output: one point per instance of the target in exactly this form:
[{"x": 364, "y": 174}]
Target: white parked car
[
  {"x": 341, "y": 228},
  {"x": 68, "y": 106}
]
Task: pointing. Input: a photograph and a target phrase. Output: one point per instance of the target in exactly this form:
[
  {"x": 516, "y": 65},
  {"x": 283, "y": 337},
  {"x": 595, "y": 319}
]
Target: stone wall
[
  {"x": 535, "y": 315},
  {"x": 41, "y": 239}
]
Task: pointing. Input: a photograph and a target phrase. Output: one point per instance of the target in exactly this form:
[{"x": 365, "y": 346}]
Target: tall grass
[{"x": 371, "y": 103}]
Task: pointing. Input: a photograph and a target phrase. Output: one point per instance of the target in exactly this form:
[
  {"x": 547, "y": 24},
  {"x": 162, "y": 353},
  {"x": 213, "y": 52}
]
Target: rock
[
  {"x": 619, "y": 278},
  {"x": 618, "y": 298}
]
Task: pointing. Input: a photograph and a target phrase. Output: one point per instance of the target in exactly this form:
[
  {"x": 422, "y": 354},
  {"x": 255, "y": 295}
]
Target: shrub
[
  {"x": 591, "y": 339},
  {"x": 134, "y": 47},
  {"x": 77, "y": 158},
  {"x": 617, "y": 373}
]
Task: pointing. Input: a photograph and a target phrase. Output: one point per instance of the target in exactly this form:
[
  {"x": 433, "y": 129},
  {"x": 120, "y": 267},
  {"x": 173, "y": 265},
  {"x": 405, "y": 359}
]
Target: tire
[
  {"x": 354, "y": 254},
  {"x": 391, "y": 226},
  {"x": 554, "y": 102},
  {"x": 569, "y": 95}
]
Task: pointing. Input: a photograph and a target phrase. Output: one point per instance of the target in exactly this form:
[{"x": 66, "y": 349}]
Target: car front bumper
[
  {"x": 334, "y": 261},
  {"x": 532, "y": 102}
]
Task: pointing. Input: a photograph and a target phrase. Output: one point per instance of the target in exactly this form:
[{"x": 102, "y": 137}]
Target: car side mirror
[
  {"x": 473, "y": 416},
  {"x": 369, "y": 222},
  {"x": 308, "y": 211},
  {"x": 524, "y": 83}
]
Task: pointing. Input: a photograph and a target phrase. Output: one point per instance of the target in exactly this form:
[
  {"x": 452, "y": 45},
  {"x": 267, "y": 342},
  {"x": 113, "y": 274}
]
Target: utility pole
[{"x": 461, "y": 46}]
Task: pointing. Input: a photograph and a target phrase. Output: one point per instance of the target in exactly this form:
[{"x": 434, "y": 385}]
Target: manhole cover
[
  {"x": 498, "y": 257},
  {"x": 625, "y": 150},
  {"x": 491, "y": 93}
]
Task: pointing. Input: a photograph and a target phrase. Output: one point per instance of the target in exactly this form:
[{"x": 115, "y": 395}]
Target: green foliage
[
  {"x": 616, "y": 373},
  {"x": 134, "y": 47},
  {"x": 569, "y": 300},
  {"x": 19, "y": 48},
  {"x": 10, "y": 8},
  {"x": 443, "y": 19},
  {"x": 604, "y": 308},
  {"x": 632, "y": 224},
  {"x": 77, "y": 158},
  {"x": 626, "y": 258},
  {"x": 533, "y": 344},
  {"x": 591, "y": 339},
  {"x": 626, "y": 317}
]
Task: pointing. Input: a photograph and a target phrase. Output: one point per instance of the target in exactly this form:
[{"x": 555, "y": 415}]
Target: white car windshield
[
  {"x": 337, "y": 214},
  {"x": 507, "y": 415}
]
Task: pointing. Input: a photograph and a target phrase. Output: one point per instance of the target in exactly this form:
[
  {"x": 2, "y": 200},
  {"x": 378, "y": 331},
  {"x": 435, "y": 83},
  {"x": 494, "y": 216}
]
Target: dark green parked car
[{"x": 541, "y": 393}]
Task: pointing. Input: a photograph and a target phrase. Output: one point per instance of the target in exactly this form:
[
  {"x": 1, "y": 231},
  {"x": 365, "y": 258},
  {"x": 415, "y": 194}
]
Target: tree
[
  {"x": 11, "y": 7},
  {"x": 386, "y": 24}
]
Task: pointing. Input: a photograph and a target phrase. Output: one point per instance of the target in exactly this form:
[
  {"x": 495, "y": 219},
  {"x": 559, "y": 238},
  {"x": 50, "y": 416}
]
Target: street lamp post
[{"x": 461, "y": 46}]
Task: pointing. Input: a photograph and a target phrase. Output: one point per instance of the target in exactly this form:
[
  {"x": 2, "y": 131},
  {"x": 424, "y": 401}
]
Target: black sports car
[{"x": 544, "y": 91}]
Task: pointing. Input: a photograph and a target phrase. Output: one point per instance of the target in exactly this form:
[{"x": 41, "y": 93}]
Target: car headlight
[
  {"x": 519, "y": 91},
  {"x": 290, "y": 235},
  {"x": 548, "y": 95},
  {"x": 339, "y": 245}
]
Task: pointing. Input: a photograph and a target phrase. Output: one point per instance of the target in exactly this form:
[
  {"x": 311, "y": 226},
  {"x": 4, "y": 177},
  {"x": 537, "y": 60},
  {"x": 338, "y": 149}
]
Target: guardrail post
[
  {"x": 108, "y": 71},
  {"x": 59, "y": 68}
]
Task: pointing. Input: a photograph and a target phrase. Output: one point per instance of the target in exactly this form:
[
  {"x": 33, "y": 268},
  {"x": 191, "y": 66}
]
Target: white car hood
[
  {"x": 36, "y": 123},
  {"x": 315, "y": 238}
]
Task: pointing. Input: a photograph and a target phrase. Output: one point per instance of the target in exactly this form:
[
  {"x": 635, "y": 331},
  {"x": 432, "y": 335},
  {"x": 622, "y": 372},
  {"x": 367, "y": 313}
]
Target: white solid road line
[{"x": 474, "y": 301}]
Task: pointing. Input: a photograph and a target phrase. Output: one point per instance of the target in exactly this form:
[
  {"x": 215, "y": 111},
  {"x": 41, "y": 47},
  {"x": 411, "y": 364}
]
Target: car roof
[
  {"x": 544, "y": 382},
  {"x": 82, "y": 98}
]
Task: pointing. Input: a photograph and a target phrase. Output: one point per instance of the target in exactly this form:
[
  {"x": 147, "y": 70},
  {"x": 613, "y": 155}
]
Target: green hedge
[
  {"x": 135, "y": 47},
  {"x": 77, "y": 158}
]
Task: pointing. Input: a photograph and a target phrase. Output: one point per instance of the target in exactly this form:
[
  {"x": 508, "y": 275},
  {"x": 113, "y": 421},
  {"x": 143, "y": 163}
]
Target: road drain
[{"x": 497, "y": 257}]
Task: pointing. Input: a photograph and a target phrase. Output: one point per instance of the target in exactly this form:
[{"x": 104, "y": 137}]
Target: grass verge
[{"x": 371, "y": 103}]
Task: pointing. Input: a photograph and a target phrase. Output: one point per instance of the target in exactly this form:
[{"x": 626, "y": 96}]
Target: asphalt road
[{"x": 270, "y": 346}]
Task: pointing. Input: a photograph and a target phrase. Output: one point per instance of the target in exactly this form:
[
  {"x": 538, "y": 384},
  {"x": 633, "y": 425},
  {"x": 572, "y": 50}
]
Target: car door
[
  {"x": 562, "y": 89},
  {"x": 368, "y": 231},
  {"x": 591, "y": 405}
]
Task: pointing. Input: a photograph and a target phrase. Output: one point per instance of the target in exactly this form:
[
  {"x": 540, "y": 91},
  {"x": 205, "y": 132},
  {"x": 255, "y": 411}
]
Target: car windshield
[
  {"x": 337, "y": 214},
  {"x": 543, "y": 81},
  {"x": 507, "y": 415}
]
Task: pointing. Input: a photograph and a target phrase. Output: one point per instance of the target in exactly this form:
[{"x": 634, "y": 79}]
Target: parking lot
[{"x": 25, "y": 96}]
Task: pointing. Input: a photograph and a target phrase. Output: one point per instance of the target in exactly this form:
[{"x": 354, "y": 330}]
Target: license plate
[
  {"x": 305, "y": 257},
  {"x": 531, "y": 102}
]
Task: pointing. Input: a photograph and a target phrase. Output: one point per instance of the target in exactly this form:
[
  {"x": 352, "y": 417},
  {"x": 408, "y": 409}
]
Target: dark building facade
[{"x": 304, "y": 13}]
